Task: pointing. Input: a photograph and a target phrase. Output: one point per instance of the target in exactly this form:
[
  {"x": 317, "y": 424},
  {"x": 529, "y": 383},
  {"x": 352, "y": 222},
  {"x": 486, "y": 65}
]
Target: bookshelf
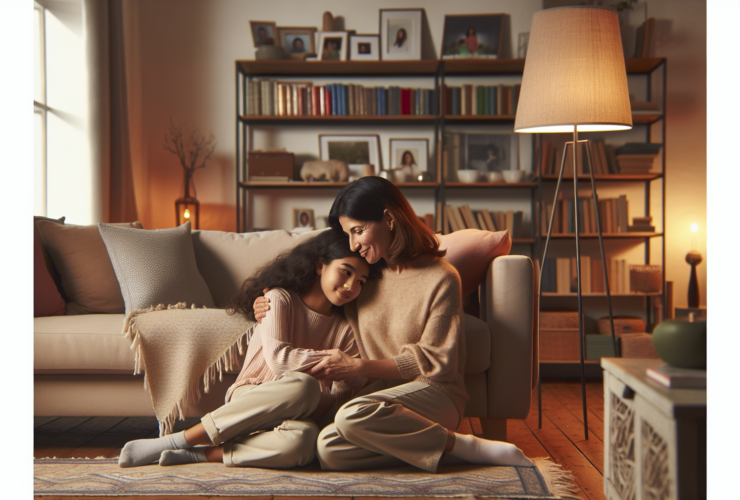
[{"x": 649, "y": 73}]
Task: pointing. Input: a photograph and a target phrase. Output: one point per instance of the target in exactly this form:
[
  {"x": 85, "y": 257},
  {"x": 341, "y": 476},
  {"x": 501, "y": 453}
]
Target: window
[{"x": 39, "y": 110}]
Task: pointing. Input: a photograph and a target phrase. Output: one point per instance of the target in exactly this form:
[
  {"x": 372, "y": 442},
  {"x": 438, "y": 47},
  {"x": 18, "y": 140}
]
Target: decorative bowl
[
  {"x": 495, "y": 176},
  {"x": 468, "y": 176},
  {"x": 513, "y": 175}
]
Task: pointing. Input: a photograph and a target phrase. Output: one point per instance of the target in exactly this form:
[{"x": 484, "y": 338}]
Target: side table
[{"x": 655, "y": 438}]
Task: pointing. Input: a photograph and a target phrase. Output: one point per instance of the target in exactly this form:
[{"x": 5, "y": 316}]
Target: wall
[{"x": 182, "y": 53}]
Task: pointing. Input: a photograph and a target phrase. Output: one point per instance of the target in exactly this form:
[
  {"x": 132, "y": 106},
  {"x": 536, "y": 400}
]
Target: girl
[
  {"x": 409, "y": 330},
  {"x": 274, "y": 393}
]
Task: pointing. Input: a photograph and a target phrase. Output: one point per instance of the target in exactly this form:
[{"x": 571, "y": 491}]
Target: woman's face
[
  {"x": 407, "y": 159},
  {"x": 342, "y": 279},
  {"x": 371, "y": 239},
  {"x": 471, "y": 31}
]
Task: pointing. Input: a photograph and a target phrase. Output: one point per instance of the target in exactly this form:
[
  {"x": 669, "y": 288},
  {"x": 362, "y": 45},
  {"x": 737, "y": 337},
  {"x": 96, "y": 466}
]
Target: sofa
[{"x": 83, "y": 365}]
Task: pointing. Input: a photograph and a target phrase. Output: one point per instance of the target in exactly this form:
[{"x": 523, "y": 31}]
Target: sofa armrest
[{"x": 508, "y": 306}]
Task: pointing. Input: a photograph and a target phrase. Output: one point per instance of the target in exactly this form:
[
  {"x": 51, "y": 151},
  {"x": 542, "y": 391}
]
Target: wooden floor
[{"x": 561, "y": 437}]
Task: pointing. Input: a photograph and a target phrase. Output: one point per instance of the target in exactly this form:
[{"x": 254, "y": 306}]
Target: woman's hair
[
  {"x": 294, "y": 270},
  {"x": 403, "y": 158},
  {"x": 367, "y": 198}
]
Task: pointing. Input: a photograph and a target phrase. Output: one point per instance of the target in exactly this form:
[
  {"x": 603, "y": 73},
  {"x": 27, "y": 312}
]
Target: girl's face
[
  {"x": 371, "y": 239},
  {"x": 342, "y": 279},
  {"x": 407, "y": 159}
]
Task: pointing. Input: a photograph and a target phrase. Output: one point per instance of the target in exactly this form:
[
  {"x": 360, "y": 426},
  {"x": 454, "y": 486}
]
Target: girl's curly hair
[{"x": 295, "y": 270}]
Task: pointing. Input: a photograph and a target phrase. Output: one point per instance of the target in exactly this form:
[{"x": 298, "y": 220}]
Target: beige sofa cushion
[
  {"x": 477, "y": 345},
  {"x": 80, "y": 256},
  {"x": 92, "y": 343},
  {"x": 225, "y": 260}
]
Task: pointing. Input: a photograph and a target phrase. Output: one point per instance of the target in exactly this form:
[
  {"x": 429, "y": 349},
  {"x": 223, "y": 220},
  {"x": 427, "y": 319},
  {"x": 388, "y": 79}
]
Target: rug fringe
[{"x": 560, "y": 482}]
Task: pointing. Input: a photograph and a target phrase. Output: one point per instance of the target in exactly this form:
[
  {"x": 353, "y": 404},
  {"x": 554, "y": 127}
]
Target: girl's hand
[
  {"x": 337, "y": 365},
  {"x": 261, "y": 306}
]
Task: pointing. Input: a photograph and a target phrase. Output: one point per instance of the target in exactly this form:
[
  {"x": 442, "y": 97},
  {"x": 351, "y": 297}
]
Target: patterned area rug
[{"x": 103, "y": 477}]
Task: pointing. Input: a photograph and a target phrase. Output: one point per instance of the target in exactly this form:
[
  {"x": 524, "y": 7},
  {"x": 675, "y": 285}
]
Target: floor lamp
[{"x": 575, "y": 81}]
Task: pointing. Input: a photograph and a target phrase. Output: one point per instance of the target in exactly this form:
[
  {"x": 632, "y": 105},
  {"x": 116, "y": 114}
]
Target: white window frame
[{"x": 41, "y": 109}]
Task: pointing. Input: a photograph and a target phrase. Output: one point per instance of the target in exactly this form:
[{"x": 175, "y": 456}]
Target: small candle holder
[{"x": 693, "y": 258}]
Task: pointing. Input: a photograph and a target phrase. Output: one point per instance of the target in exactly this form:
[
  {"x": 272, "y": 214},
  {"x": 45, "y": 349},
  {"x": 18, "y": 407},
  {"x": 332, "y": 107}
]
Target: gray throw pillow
[{"x": 155, "y": 266}]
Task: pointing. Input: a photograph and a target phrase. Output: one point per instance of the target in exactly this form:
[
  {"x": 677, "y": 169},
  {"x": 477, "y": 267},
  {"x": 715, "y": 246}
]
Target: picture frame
[
  {"x": 354, "y": 149},
  {"x": 400, "y": 34},
  {"x": 408, "y": 158},
  {"x": 332, "y": 46},
  {"x": 264, "y": 33},
  {"x": 364, "y": 47},
  {"x": 491, "y": 152},
  {"x": 303, "y": 219},
  {"x": 298, "y": 41},
  {"x": 472, "y": 35}
]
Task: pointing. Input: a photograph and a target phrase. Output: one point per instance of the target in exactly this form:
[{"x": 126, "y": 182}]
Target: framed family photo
[
  {"x": 364, "y": 47},
  {"x": 303, "y": 219},
  {"x": 354, "y": 150},
  {"x": 264, "y": 33},
  {"x": 332, "y": 46},
  {"x": 409, "y": 158},
  {"x": 400, "y": 34},
  {"x": 492, "y": 152},
  {"x": 473, "y": 35},
  {"x": 297, "y": 41}
]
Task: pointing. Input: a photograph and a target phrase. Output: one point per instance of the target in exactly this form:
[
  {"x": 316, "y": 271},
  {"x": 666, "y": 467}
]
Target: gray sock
[
  {"x": 147, "y": 451},
  {"x": 178, "y": 457}
]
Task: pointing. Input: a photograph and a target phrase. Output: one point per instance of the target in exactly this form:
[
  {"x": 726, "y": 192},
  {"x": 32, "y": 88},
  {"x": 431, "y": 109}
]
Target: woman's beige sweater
[{"x": 415, "y": 318}]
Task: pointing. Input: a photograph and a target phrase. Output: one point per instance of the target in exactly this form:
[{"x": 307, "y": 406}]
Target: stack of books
[
  {"x": 560, "y": 275},
  {"x": 637, "y": 158},
  {"x": 642, "y": 225},
  {"x": 481, "y": 100},
  {"x": 603, "y": 159},
  {"x": 613, "y": 216},
  {"x": 678, "y": 378},
  {"x": 463, "y": 217},
  {"x": 273, "y": 98}
]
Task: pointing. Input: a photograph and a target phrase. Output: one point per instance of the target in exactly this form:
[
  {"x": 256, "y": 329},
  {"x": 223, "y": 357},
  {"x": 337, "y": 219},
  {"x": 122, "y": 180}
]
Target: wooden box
[
  {"x": 559, "y": 345},
  {"x": 622, "y": 324},
  {"x": 637, "y": 345},
  {"x": 271, "y": 166},
  {"x": 558, "y": 320}
]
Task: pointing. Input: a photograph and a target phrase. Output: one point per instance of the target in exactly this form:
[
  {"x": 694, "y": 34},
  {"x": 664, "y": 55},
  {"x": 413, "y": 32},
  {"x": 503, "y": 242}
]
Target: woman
[
  {"x": 408, "y": 326},
  {"x": 399, "y": 44},
  {"x": 471, "y": 40},
  {"x": 408, "y": 165},
  {"x": 274, "y": 393}
]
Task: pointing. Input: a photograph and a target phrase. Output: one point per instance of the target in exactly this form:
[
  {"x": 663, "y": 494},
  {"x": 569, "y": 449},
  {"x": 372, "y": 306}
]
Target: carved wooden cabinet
[{"x": 655, "y": 439}]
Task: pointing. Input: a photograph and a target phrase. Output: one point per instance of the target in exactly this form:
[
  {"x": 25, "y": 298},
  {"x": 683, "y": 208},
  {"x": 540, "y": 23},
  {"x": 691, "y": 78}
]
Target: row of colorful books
[
  {"x": 481, "y": 100},
  {"x": 273, "y": 98},
  {"x": 613, "y": 216},
  {"x": 559, "y": 275},
  {"x": 632, "y": 158},
  {"x": 463, "y": 217}
]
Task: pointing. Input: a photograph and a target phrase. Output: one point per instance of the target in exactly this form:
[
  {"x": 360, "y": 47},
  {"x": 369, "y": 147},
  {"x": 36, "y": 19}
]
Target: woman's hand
[
  {"x": 261, "y": 306},
  {"x": 337, "y": 365}
]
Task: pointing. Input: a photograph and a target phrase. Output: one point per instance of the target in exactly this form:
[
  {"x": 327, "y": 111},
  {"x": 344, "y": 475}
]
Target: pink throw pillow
[
  {"x": 46, "y": 298},
  {"x": 471, "y": 251}
]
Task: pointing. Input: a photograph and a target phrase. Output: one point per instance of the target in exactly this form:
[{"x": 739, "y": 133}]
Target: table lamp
[{"x": 575, "y": 81}]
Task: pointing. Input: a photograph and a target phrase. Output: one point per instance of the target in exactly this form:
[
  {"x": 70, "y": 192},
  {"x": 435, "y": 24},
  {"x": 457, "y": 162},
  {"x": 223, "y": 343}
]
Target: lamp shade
[{"x": 574, "y": 74}]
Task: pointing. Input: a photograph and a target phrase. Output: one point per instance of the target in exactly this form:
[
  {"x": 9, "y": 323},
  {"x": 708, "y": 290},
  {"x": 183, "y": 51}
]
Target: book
[{"x": 678, "y": 378}]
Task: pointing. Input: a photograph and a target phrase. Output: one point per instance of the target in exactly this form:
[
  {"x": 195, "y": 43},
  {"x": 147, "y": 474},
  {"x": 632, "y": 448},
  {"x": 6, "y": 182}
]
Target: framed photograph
[
  {"x": 409, "y": 158},
  {"x": 333, "y": 46},
  {"x": 364, "y": 47},
  {"x": 354, "y": 150},
  {"x": 303, "y": 218},
  {"x": 264, "y": 33},
  {"x": 400, "y": 34},
  {"x": 297, "y": 41},
  {"x": 473, "y": 35},
  {"x": 491, "y": 152}
]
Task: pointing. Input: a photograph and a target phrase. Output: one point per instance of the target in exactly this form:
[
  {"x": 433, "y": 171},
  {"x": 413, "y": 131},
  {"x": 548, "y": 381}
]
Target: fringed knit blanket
[{"x": 176, "y": 346}]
